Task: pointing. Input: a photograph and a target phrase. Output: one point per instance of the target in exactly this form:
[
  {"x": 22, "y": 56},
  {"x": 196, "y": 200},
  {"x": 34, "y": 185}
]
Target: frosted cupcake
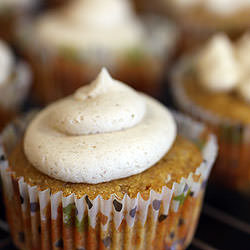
[
  {"x": 11, "y": 11},
  {"x": 15, "y": 79},
  {"x": 213, "y": 85},
  {"x": 104, "y": 168},
  {"x": 67, "y": 47},
  {"x": 199, "y": 19}
]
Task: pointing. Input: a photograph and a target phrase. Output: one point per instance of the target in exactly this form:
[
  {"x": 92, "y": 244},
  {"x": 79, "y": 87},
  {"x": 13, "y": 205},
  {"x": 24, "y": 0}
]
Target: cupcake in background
[
  {"x": 105, "y": 168},
  {"x": 213, "y": 85},
  {"x": 11, "y": 12},
  {"x": 68, "y": 46},
  {"x": 15, "y": 80},
  {"x": 200, "y": 19}
]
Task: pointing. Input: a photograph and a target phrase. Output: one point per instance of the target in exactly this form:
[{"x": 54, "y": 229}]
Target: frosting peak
[
  {"x": 105, "y": 105},
  {"x": 223, "y": 66},
  {"x": 105, "y": 131},
  {"x": 217, "y": 66}
]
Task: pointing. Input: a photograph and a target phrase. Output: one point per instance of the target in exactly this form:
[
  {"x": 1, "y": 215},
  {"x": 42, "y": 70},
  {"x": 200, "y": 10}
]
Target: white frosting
[
  {"x": 218, "y": 7},
  {"x": 223, "y": 66},
  {"x": 87, "y": 24},
  {"x": 217, "y": 66},
  {"x": 6, "y": 63},
  {"x": 105, "y": 131}
]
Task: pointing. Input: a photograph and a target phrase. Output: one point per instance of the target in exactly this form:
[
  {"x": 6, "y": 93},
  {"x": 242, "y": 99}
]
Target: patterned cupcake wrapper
[
  {"x": 167, "y": 220},
  {"x": 232, "y": 168}
]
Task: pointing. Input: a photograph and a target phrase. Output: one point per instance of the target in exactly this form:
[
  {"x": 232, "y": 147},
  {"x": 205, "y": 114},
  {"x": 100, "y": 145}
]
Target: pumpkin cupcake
[
  {"x": 213, "y": 85},
  {"x": 200, "y": 19},
  {"x": 15, "y": 79},
  {"x": 68, "y": 46},
  {"x": 105, "y": 168}
]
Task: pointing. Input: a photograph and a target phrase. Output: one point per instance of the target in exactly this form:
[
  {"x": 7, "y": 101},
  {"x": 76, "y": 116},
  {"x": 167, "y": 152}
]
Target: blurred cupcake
[
  {"x": 105, "y": 169},
  {"x": 14, "y": 84},
  {"x": 199, "y": 19},
  {"x": 11, "y": 11},
  {"x": 67, "y": 47},
  {"x": 214, "y": 85}
]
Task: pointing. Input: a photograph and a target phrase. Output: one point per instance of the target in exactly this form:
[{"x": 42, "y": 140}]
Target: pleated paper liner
[
  {"x": 167, "y": 220},
  {"x": 232, "y": 168},
  {"x": 60, "y": 71},
  {"x": 13, "y": 94}
]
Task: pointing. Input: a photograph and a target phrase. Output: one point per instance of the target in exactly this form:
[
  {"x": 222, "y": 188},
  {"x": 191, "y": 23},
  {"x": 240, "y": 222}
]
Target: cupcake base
[
  {"x": 166, "y": 220},
  {"x": 32, "y": 228}
]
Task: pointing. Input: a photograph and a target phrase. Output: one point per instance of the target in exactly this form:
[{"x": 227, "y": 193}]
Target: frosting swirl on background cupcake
[
  {"x": 225, "y": 67},
  {"x": 105, "y": 131},
  {"x": 7, "y": 62},
  {"x": 87, "y": 24}
]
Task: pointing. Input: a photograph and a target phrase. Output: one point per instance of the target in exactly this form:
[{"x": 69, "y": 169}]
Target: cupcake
[
  {"x": 213, "y": 85},
  {"x": 15, "y": 79},
  {"x": 105, "y": 168},
  {"x": 68, "y": 46},
  {"x": 11, "y": 11},
  {"x": 200, "y": 19}
]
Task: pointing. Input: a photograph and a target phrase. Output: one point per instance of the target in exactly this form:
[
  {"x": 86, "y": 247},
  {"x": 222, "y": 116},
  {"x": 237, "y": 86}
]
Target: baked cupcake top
[
  {"x": 104, "y": 131},
  {"x": 90, "y": 24}
]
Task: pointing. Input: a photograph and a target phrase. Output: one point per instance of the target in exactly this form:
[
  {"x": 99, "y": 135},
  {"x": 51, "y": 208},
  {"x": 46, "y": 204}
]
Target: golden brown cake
[{"x": 182, "y": 159}]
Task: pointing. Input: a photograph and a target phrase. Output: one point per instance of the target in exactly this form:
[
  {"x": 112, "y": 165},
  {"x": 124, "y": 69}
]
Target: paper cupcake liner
[
  {"x": 232, "y": 168},
  {"x": 167, "y": 220},
  {"x": 13, "y": 94},
  {"x": 60, "y": 71}
]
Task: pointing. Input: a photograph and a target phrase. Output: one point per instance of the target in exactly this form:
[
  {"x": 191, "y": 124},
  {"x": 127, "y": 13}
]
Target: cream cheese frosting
[
  {"x": 218, "y": 7},
  {"x": 6, "y": 63},
  {"x": 104, "y": 131},
  {"x": 217, "y": 66},
  {"x": 225, "y": 67},
  {"x": 88, "y": 24}
]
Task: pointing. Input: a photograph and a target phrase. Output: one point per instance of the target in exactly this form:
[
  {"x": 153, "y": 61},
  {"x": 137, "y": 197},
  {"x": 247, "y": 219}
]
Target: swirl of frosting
[
  {"x": 87, "y": 24},
  {"x": 217, "y": 66},
  {"x": 6, "y": 63},
  {"x": 105, "y": 131}
]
